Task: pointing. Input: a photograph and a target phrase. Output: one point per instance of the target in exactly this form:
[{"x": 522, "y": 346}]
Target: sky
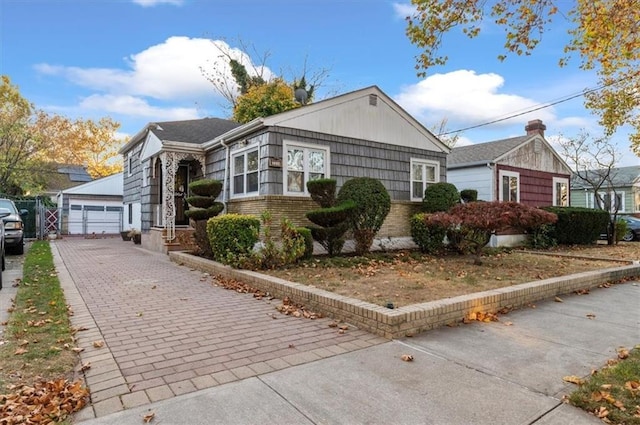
[{"x": 141, "y": 61}]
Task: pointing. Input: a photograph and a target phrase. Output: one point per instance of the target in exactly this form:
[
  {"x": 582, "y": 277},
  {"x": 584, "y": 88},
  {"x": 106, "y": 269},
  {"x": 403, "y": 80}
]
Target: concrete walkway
[{"x": 193, "y": 353}]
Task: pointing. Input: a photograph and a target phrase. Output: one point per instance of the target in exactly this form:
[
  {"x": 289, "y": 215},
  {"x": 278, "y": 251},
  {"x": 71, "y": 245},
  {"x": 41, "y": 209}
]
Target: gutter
[
  {"x": 227, "y": 161},
  {"x": 471, "y": 165},
  {"x": 234, "y": 133}
]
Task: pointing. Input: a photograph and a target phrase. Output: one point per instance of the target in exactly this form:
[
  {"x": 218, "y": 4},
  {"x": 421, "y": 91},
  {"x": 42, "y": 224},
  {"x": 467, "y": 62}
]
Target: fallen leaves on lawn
[
  {"x": 45, "y": 402},
  {"x": 20, "y": 351}
]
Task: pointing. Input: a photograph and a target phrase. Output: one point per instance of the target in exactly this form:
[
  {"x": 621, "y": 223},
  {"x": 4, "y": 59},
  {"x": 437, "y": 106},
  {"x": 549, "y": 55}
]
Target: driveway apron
[{"x": 168, "y": 330}]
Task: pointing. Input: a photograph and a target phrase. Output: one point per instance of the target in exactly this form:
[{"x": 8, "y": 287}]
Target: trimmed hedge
[
  {"x": 308, "y": 242},
  {"x": 206, "y": 187},
  {"x": 440, "y": 197},
  {"x": 329, "y": 217},
  {"x": 428, "y": 237},
  {"x": 201, "y": 201},
  {"x": 469, "y": 195},
  {"x": 323, "y": 192},
  {"x": 205, "y": 213},
  {"x": 577, "y": 225},
  {"x": 232, "y": 237}
]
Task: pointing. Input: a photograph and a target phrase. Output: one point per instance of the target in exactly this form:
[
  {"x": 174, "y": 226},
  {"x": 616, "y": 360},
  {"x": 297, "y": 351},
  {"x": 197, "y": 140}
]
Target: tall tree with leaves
[{"x": 605, "y": 34}]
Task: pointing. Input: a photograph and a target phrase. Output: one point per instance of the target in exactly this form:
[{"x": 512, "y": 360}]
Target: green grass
[
  {"x": 612, "y": 388},
  {"x": 39, "y": 338}
]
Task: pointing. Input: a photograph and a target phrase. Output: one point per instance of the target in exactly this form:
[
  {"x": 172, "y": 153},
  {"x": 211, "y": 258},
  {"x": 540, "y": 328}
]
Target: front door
[{"x": 181, "y": 187}]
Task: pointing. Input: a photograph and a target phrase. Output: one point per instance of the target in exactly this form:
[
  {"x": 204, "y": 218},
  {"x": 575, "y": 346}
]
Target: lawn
[{"x": 409, "y": 277}]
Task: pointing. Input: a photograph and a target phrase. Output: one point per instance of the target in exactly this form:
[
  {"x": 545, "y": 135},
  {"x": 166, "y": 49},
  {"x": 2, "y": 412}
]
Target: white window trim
[
  {"x": 557, "y": 180},
  {"x": 427, "y": 162},
  {"x": 505, "y": 173},
  {"x": 612, "y": 195},
  {"x": 234, "y": 154},
  {"x": 286, "y": 144},
  {"x": 146, "y": 175}
]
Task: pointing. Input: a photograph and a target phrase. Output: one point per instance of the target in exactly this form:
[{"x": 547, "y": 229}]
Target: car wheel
[{"x": 628, "y": 237}]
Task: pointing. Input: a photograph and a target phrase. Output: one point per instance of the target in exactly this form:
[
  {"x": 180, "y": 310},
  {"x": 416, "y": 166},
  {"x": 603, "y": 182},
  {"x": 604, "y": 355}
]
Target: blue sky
[{"x": 140, "y": 60}]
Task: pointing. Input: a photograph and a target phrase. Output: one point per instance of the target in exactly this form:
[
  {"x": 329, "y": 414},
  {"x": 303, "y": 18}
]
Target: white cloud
[
  {"x": 402, "y": 10},
  {"x": 467, "y": 98},
  {"x": 151, "y": 3},
  {"x": 137, "y": 107}
]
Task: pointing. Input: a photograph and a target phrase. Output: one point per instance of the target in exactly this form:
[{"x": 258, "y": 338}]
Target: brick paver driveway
[{"x": 168, "y": 330}]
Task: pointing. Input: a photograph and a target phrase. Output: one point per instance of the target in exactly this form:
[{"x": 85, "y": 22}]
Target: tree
[
  {"x": 605, "y": 34},
  {"x": 19, "y": 140},
  {"x": 242, "y": 72},
  {"x": 594, "y": 164},
  {"x": 264, "y": 100},
  {"x": 83, "y": 142}
]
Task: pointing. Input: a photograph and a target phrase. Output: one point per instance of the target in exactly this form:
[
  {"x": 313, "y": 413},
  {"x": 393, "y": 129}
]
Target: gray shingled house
[
  {"x": 524, "y": 169},
  {"x": 266, "y": 163}
]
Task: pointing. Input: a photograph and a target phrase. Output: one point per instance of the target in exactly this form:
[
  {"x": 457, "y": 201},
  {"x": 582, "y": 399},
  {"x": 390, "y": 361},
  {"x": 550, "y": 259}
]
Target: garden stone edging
[{"x": 416, "y": 318}]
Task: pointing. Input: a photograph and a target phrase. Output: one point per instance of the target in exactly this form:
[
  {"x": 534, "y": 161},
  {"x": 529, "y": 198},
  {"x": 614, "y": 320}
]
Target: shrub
[
  {"x": 469, "y": 195},
  {"x": 577, "y": 225},
  {"x": 323, "y": 192},
  {"x": 330, "y": 217},
  {"x": 621, "y": 229},
  {"x": 373, "y": 204},
  {"x": 440, "y": 197},
  {"x": 541, "y": 237},
  {"x": 308, "y": 241},
  {"x": 202, "y": 207},
  {"x": 272, "y": 255},
  {"x": 429, "y": 237},
  {"x": 206, "y": 187},
  {"x": 232, "y": 237}
]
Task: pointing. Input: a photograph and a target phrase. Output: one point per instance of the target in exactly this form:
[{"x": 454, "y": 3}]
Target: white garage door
[{"x": 88, "y": 219}]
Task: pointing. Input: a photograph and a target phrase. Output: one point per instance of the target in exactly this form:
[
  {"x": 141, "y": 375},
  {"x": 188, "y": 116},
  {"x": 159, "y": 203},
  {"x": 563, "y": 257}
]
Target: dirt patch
[{"x": 405, "y": 278}]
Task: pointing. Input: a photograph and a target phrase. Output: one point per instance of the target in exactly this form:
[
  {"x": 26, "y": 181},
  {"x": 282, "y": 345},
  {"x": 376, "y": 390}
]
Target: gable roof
[
  {"x": 64, "y": 176},
  {"x": 360, "y": 114},
  {"x": 483, "y": 153},
  {"x": 110, "y": 185},
  {"x": 620, "y": 177},
  {"x": 195, "y": 132}
]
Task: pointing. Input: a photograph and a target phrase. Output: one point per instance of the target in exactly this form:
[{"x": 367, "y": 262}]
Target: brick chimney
[{"x": 534, "y": 127}]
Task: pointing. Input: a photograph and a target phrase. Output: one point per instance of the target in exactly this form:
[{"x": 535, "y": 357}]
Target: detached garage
[{"x": 93, "y": 207}]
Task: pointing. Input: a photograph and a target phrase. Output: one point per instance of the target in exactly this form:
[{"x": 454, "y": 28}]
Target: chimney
[{"x": 534, "y": 127}]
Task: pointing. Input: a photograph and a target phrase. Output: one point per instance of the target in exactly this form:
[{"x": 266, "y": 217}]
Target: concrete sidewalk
[{"x": 507, "y": 372}]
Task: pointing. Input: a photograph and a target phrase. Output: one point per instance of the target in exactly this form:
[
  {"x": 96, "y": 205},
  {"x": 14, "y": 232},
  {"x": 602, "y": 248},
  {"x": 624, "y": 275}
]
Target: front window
[
  {"x": 560, "y": 192},
  {"x": 423, "y": 173},
  {"x": 130, "y": 164},
  {"x": 509, "y": 186},
  {"x": 245, "y": 173},
  {"x": 304, "y": 163},
  {"x": 612, "y": 201}
]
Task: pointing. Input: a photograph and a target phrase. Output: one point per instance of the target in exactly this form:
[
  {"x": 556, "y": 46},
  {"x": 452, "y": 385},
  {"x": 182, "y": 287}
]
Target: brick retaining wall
[{"x": 412, "y": 319}]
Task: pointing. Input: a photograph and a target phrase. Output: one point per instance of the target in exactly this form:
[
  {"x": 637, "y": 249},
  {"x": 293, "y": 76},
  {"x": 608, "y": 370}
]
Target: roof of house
[
  {"x": 64, "y": 176},
  {"x": 620, "y": 177},
  {"x": 484, "y": 152},
  {"x": 189, "y": 131},
  {"x": 110, "y": 185}
]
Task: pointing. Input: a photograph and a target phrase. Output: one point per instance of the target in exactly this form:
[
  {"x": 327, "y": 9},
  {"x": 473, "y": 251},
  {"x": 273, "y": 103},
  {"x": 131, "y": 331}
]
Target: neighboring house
[
  {"x": 92, "y": 207},
  {"x": 621, "y": 190},
  {"x": 524, "y": 169},
  {"x": 64, "y": 176},
  {"x": 266, "y": 163}
]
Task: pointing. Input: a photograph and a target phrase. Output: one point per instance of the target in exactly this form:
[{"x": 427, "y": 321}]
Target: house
[
  {"x": 524, "y": 169},
  {"x": 622, "y": 184},
  {"x": 64, "y": 176},
  {"x": 266, "y": 163},
  {"x": 92, "y": 207}
]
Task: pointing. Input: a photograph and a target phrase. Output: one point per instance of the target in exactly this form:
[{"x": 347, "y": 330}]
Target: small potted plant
[
  {"x": 125, "y": 235},
  {"x": 135, "y": 236}
]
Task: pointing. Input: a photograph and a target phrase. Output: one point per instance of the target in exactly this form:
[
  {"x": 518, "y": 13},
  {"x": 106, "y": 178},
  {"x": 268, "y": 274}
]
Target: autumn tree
[
  {"x": 241, "y": 76},
  {"x": 20, "y": 139},
  {"x": 93, "y": 144},
  {"x": 593, "y": 160},
  {"x": 604, "y": 34}
]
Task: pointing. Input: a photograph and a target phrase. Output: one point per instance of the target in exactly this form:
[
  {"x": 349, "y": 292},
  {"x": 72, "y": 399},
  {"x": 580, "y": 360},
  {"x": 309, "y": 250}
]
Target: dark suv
[{"x": 13, "y": 234}]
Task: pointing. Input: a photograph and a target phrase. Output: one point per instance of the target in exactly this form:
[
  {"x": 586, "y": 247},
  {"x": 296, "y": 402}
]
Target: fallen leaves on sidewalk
[
  {"x": 289, "y": 308},
  {"x": 480, "y": 316},
  {"x": 148, "y": 417},
  {"x": 406, "y": 358},
  {"x": 45, "y": 402},
  {"x": 98, "y": 344},
  {"x": 572, "y": 379}
]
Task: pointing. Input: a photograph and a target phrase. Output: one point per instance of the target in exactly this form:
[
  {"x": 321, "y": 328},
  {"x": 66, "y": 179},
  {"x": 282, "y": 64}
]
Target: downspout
[{"x": 226, "y": 175}]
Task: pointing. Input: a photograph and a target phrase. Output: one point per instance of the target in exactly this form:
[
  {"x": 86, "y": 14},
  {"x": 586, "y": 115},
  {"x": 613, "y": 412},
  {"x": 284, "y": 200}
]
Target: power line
[{"x": 546, "y": 105}]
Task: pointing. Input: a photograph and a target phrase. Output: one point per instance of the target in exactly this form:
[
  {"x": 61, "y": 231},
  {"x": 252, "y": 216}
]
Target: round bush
[
  {"x": 206, "y": 187},
  {"x": 440, "y": 197},
  {"x": 201, "y": 201},
  {"x": 469, "y": 195},
  {"x": 373, "y": 204},
  {"x": 198, "y": 214},
  {"x": 323, "y": 192}
]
